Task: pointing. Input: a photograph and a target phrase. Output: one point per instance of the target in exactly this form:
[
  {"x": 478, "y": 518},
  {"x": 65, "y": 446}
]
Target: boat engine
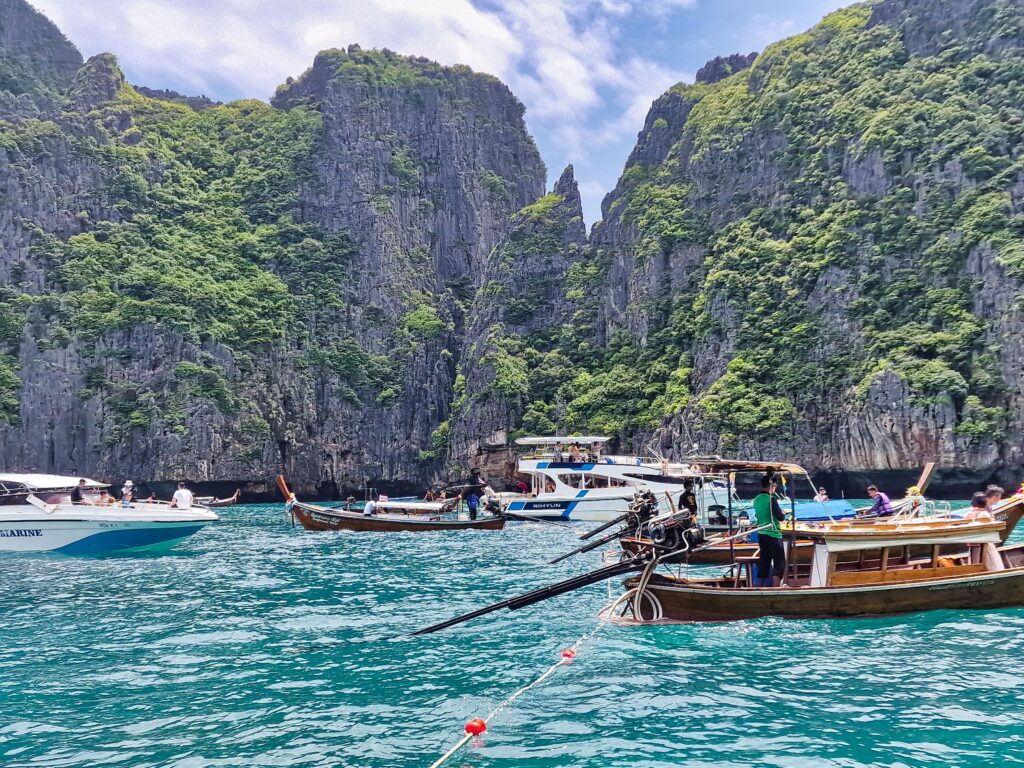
[{"x": 682, "y": 532}]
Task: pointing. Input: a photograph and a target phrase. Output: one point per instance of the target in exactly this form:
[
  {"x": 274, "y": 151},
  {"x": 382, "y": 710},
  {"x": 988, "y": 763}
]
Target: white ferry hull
[{"x": 592, "y": 509}]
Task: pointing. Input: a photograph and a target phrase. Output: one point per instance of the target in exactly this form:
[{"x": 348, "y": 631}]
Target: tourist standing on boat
[
  {"x": 127, "y": 493},
  {"x": 370, "y": 508},
  {"x": 182, "y": 498},
  {"x": 993, "y": 495},
  {"x": 979, "y": 511},
  {"x": 881, "y": 507},
  {"x": 771, "y": 564},
  {"x": 78, "y": 493},
  {"x": 474, "y": 503}
]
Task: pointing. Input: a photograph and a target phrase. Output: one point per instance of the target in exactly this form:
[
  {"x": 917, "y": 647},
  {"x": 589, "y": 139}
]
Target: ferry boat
[
  {"x": 572, "y": 478},
  {"x": 37, "y": 515}
]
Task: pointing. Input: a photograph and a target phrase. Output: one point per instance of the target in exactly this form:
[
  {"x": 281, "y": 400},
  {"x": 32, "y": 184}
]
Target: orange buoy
[{"x": 476, "y": 726}]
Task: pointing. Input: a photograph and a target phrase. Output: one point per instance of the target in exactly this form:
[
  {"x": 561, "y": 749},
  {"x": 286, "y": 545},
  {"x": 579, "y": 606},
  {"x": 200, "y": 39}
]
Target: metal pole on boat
[
  {"x": 791, "y": 555},
  {"x": 728, "y": 493}
]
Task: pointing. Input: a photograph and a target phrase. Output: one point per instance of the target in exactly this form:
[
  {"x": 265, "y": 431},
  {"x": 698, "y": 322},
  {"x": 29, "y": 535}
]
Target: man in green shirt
[{"x": 771, "y": 565}]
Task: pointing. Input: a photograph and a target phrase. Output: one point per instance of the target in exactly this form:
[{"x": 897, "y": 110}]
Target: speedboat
[
  {"x": 37, "y": 515},
  {"x": 584, "y": 483}
]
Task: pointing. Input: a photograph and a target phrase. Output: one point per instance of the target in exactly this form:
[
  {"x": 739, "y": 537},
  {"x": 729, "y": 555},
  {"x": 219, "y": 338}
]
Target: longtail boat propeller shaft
[{"x": 543, "y": 593}]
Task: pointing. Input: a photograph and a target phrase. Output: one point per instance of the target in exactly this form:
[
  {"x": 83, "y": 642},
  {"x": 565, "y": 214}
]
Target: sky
[{"x": 587, "y": 70}]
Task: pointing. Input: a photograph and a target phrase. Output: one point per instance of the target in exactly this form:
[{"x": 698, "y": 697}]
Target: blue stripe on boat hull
[{"x": 129, "y": 539}]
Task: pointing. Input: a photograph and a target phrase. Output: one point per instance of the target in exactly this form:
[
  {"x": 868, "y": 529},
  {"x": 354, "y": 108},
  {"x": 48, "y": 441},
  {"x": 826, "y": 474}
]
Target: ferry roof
[
  {"x": 579, "y": 439},
  {"x": 47, "y": 482}
]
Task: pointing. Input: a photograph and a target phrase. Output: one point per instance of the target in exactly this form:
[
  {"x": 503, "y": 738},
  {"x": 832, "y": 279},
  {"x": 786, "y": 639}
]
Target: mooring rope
[{"x": 567, "y": 656}]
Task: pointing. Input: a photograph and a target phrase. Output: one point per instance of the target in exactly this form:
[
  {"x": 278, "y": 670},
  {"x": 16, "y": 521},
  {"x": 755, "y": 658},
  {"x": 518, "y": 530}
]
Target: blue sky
[{"x": 587, "y": 70}]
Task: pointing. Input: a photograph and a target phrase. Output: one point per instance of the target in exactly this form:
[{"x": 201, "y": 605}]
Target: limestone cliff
[
  {"x": 525, "y": 312},
  {"x": 830, "y": 236},
  {"x": 36, "y": 61},
  {"x": 230, "y": 293}
]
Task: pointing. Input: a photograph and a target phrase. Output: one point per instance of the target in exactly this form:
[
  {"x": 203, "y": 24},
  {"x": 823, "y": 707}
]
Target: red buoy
[
  {"x": 568, "y": 653},
  {"x": 476, "y": 726}
]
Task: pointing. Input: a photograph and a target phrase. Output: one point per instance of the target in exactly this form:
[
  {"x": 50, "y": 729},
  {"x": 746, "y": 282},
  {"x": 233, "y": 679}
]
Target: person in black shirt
[
  {"x": 688, "y": 499},
  {"x": 78, "y": 495}
]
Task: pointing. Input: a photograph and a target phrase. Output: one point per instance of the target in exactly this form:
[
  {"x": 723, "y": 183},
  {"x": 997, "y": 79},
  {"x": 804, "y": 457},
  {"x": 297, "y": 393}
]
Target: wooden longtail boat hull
[
  {"x": 693, "y": 601},
  {"x": 314, "y": 518}
]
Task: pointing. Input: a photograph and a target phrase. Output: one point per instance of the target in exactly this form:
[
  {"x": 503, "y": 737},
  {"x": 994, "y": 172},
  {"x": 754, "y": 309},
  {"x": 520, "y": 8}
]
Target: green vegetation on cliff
[{"x": 837, "y": 189}]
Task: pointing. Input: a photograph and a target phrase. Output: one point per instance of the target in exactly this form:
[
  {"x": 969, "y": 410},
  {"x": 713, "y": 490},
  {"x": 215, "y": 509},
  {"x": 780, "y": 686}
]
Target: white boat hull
[{"x": 86, "y": 530}]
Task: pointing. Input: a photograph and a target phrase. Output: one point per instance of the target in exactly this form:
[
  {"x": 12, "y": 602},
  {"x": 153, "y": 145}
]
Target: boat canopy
[
  {"x": 845, "y": 537},
  {"x": 11, "y": 483},
  {"x": 717, "y": 466},
  {"x": 578, "y": 439}
]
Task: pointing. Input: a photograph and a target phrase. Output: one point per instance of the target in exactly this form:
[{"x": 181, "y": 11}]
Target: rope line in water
[{"x": 567, "y": 656}]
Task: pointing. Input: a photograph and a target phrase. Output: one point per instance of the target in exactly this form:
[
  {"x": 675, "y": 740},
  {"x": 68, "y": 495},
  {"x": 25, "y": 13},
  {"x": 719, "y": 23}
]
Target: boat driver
[
  {"x": 771, "y": 564},
  {"x": 688, "y": 499},
  {"x": 78, "y": 493}
]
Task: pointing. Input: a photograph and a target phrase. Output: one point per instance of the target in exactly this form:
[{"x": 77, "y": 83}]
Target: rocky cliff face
[
  {"x": 524, "y": 311},
  {"x": 806, "y": 228},
  {"x": 812, "y": 253},
  {"x": 227, "y": 294},
  {"x": 36, "y": 61}
]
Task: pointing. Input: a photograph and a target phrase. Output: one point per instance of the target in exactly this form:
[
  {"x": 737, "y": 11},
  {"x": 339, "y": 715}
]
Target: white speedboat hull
[{"x": 89, "y": 530}]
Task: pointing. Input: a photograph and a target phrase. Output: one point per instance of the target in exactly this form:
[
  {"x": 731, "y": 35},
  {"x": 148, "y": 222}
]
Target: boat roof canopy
[
  {"x": 718, "y": 465},
  {"x": 579, "y": 439},
  {"x": 35, "y": 482}
]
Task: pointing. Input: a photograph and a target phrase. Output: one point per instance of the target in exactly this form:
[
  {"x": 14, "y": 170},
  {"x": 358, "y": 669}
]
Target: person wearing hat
[{"x": 127, "y": 493}]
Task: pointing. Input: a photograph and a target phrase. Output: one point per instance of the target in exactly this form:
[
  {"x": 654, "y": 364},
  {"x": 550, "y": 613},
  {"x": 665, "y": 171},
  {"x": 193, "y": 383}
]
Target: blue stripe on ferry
[
  {"x": 581, "y": 494},
  {"x": 128, "y": 538}
]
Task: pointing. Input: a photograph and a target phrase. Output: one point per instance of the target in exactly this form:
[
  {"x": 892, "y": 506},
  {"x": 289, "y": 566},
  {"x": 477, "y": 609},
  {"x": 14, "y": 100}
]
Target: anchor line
[{"x": 567, "y": 656}]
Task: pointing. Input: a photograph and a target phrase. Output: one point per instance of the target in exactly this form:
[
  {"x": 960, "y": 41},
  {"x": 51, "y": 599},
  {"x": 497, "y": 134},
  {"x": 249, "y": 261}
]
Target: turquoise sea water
[{"x": 254, "y": 644}]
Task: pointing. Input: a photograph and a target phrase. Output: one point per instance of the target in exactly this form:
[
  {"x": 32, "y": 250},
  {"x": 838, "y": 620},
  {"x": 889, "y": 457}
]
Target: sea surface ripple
[{"x": 253, "y": 644}]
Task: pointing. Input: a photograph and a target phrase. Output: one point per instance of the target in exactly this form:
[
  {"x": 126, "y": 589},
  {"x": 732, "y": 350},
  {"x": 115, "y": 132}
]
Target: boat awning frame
[
  {"x": 718, "y": 466},
  {"x": 16, "y": 484},
  {"x": 578, "y": 439}
]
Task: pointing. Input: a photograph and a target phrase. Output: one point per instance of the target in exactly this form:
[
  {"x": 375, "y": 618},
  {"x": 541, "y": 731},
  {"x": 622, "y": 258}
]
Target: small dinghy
[{"x": 314, "y": 517}]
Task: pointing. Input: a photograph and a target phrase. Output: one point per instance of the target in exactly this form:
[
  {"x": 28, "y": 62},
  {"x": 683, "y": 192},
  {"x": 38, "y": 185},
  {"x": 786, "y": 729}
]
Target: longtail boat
[
  {"x": 1009, "y": 512},
  {"x": 856, "y": 568},
  {"x": 862, "y": 571},
  {"x": 314, "y": 517}
]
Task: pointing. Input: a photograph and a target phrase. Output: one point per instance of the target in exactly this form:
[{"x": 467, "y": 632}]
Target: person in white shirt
[
  {"x": 369, "y": 508},
  {"x": 821, "y": 495},
  {"x": 182, "y": 497}
]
